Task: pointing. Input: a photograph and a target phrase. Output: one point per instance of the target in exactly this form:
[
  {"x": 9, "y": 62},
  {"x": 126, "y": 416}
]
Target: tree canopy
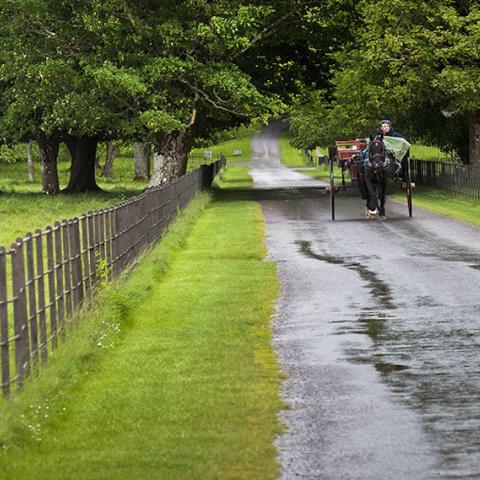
[
  {"x": 173, "y": 72},
  {"x": 417, "y": 63}
]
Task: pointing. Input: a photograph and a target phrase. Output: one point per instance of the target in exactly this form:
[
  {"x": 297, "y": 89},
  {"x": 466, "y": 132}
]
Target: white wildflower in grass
[{"x": 107, "y": 337}]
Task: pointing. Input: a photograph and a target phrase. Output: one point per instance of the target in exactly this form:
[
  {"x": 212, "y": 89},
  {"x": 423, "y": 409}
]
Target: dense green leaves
[{"x": 417, "y": 63}]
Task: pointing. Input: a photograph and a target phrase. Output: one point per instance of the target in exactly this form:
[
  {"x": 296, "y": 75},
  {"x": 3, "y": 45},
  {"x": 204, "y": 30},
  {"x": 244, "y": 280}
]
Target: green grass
[
  {"x": 23, "y": 208},
  {"x": 190, "y": 387},
  {"x": 228, "y": 147},
  {"x": 234, "y": 178},
  {"x": 425, "y": 152},
  {"x": 445, "y": 203},
  {"x": 289, "y": 155}
]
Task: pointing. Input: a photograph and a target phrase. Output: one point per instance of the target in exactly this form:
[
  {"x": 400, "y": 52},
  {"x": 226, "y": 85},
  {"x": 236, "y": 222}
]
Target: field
[{"x": 23, "y": 208}]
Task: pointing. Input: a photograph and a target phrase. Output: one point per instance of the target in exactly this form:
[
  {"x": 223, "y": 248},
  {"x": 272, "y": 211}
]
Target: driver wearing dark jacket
[{"x": 386, "y": 129}]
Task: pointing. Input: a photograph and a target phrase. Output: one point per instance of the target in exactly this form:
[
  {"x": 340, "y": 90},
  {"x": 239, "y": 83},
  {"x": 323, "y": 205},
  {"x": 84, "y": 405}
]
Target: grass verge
[
  {"x": 426, "y": 152},
  {"x": 445, "y": 203},
  {"x": 234, "y": 178},
  {"x": 289, "y": 155},
  {"x": 188, "y": 390}
]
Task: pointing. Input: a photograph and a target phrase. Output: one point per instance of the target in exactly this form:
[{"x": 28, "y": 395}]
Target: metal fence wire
[
  {"x": 46, "y": 276},
  {"x": 457, "y": 178}
]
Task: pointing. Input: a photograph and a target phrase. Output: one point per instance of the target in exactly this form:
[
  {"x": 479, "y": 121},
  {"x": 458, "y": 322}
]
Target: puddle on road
[
  {"x": 379, "y": 289},
  {"x": 427, "y": 353},
  {"x": 385, "y": 367},
  {"x": 374, "y": 324}
]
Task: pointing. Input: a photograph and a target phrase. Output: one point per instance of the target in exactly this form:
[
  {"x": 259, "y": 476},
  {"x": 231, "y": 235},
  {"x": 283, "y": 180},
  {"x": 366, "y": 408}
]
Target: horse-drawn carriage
[{"x": 369, "y": 165}]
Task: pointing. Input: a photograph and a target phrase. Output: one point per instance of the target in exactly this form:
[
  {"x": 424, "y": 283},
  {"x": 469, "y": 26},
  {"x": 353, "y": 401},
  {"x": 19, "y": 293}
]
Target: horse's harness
[{"x": 379, "y": 159}]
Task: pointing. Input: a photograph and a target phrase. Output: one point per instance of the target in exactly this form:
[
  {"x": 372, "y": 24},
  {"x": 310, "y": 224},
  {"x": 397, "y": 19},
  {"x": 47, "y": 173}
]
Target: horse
[{"x": 376, "y": 165}]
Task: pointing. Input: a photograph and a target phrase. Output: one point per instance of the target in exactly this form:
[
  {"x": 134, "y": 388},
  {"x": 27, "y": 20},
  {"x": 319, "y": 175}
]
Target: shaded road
[{"x": 378, "y": 330}]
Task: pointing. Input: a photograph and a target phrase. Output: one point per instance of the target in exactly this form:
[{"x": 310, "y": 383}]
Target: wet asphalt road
[{"x": 378, "y": 331}]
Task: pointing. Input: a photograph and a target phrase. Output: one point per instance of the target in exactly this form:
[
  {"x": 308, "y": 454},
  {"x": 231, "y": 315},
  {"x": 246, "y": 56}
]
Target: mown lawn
[
  {"x": 289, "y": 155},
  {"x": 183, "y": 385},
  {"x": 426, "y": 152},
  {"x": 228, "y": 148},
  {"x": 445, "y": 203},
  {"x": 23, "y": 208}
]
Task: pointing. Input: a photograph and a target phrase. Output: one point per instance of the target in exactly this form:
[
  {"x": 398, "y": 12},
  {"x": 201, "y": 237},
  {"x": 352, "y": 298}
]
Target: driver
[{"x": 386, "y": 129}]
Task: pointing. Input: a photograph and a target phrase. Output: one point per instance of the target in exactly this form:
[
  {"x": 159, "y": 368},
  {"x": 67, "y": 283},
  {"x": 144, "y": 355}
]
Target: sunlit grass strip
[
  {"x": 445, "y": 203},
  {"x": 228, "y": 148},
  {"x": 234, "y": 178},
  {"x": 191, "y": 391},
  {"x": 426, "y": 152},
  {"x": 289, "y": 155}
]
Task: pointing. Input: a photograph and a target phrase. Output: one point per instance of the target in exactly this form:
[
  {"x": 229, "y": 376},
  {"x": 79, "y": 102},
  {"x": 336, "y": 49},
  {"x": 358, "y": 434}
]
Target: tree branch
[{"x": 268, "y": 31}]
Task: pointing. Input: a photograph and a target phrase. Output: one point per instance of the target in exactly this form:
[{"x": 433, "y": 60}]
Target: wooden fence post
[
  {"x": 42, "y": 317},
  {"x": 52, "y": 292},
  {"x": 32, "y": 304},
  {"x": 118, "y": 239},
  {"x": 91, "y": 249},
  {"x": 85, "y": 255},
  {"x": 109, "y": 241},
  {"x": 67, "y": 269},
  {"x": 77, "y": 279},
  {"x": 22, "y": 347},
  {"x": 59, "y": 262},
  {"x": 4, "y": 337}
]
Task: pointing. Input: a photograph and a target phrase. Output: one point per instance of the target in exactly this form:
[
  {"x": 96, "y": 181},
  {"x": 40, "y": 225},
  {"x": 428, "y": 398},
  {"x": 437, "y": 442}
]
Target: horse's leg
[
  {"x": 371, "y": 190},
  {"x": 362, "y": 183},
  {"x": 382, "y": 187}
]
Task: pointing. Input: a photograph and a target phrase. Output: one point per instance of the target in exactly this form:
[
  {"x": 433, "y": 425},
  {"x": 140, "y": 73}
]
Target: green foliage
[
  {"x": 117, "y": 69},
  {"x": 417, "y": 63},
  {"x": 13, "y": 154}
]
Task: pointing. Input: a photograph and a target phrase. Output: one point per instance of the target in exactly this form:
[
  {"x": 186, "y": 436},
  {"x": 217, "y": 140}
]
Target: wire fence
[
  {"x": 47, "y": 276},
  {"x": 457, "y": 178}
]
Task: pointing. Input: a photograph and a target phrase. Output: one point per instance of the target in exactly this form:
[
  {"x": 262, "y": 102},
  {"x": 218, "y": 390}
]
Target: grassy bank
[
  {"x": 445, "y": 203},
  {"x": 289, "y": 155},
  {"x": 188, "y": 389},
  {"x": 234, "y": 178},
  {"x": 426, "y": 152},
  {"x": 228, "y": 148}
]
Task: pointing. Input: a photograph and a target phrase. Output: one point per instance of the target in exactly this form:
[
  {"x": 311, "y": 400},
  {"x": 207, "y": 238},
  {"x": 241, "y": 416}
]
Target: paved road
[{"x": 378, "y": 330}]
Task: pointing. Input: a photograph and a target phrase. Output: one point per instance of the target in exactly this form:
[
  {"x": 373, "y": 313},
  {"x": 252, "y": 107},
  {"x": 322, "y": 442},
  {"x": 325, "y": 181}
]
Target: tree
[
  {"x": 142, "y": 158},
  {"x": 410, "y": 61},
  {"x": 58, "y": 85}
]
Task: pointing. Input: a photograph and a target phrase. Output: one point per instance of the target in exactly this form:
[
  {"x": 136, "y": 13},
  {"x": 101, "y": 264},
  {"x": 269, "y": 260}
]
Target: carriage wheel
[
  {"x": 332, "y": 189},
  {"x": 408, "y": 190}
]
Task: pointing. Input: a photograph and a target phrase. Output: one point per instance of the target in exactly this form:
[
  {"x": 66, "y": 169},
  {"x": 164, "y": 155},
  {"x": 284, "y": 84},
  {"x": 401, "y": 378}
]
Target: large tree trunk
[
  {"x": 83, "y": 151},
  {"x": 141, "y": 158},
  {"x": 171, "y": 157},
  {"x": 30, "y": 166},
  {"x": 474, "y": 134},
  {"x": 48, "y": 164},
  {"x": 112, "y": 152}
]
